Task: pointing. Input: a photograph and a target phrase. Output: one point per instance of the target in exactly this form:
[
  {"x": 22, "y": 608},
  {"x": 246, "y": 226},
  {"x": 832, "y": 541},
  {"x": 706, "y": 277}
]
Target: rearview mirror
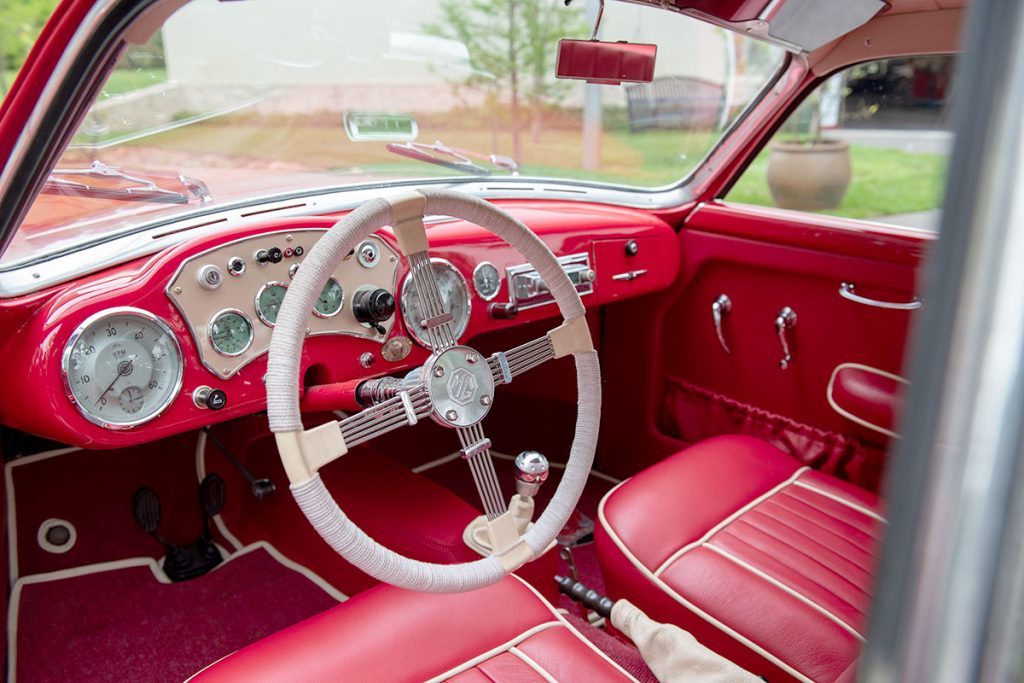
[{"x": 606, "y": 63}]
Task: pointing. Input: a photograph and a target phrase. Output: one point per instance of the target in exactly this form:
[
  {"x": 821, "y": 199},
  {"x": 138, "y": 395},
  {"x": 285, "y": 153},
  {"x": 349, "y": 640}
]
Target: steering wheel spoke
[
  {"x": 572, "y": 336},
  {"x": 407, "y": 408},
  {"x": 476, "y": 450}
]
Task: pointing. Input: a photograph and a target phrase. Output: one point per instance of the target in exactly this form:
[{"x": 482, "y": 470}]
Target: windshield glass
[{"x": 235, "y": 101}]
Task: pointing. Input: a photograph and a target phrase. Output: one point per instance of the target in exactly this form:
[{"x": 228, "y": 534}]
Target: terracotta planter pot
[{"x": 809, "y": 175}]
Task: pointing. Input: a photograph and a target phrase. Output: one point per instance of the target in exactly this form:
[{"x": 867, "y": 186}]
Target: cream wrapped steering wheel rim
[{"x": 303, "y": 451}]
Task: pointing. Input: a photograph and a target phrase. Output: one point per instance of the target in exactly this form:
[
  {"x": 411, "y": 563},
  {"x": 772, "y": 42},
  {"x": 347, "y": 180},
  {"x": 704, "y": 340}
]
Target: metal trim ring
[{"x": 209, "y": 332}]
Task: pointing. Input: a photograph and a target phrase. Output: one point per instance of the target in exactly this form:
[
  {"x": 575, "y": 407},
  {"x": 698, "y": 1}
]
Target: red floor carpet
[{"x": 124, "y": 625}]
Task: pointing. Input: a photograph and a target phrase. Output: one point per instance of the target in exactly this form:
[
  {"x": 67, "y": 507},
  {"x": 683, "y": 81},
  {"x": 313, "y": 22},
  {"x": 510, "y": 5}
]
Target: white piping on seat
[
  {"x": 775, "y": 582},
  {"x": 848, "y": 503},
  {"x": 484, "y": 656},
  {"x": 739, "y": 637},
  {"x": 532, "y": 664},
  {"x": 829, "y": 391},
  {"x": 727, "y": 521}
]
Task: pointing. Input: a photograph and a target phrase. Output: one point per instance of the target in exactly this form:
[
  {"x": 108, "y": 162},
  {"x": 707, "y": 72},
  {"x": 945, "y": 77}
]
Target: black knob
[
  {"x": 373, "y": 306},
  {"x": 272, "y": 255},
  {"x": 632, "y": 248},
  {"x": 503, "y": 311},
  {"x": 216, "y": 399}
]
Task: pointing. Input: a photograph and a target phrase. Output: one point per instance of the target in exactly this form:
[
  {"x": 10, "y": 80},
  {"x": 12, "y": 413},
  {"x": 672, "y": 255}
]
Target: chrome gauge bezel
[
  {"x": 209, "y": 332},
  {"x": 256, "y": 303},
  {"x": 341, "y": 303},
  {"x": 178, "y": 358},
  {"x": 459, "y": 329},
  {"x": 476, "y": 288}
]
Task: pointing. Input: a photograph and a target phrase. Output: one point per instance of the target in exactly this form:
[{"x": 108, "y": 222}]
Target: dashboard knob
[
  {"x": 210, "y": 399},
  {"x": 503, "y": 311},
  {"x": 272, "y": 255},
  {"x": 373, "y": 306}
]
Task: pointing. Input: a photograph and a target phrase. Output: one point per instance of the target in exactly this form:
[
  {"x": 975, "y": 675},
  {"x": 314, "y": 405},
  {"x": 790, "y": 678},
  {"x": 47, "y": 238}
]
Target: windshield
[{"x": 235, "y": 101}]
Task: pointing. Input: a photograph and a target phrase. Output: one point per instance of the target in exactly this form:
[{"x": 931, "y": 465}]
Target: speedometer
[
  {"x": 454, "y": 295},
  {"x": 122, "y": 367}
]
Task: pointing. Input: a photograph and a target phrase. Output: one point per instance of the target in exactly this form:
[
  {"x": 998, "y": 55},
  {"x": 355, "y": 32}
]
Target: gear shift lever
[{"x": 531, "y": 471}]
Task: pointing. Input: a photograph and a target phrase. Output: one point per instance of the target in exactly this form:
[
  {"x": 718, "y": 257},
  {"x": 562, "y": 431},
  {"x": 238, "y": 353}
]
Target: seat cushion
[
  {"x": 505, "y": 632},
  {"x": 763, "y": 560}
]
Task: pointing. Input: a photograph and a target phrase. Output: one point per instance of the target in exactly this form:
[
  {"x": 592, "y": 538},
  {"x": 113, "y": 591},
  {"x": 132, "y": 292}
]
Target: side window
[{"x": 872, "y": 142}]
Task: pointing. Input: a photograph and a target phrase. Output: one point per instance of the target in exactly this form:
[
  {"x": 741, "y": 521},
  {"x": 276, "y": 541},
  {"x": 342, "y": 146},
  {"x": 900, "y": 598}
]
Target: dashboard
[{"x": 180, "y": 340}]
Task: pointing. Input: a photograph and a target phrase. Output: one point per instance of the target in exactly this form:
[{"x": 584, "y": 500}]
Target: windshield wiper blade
[
  {"x": 454, "y": 158},
  {"x": 144, "y": 189}
]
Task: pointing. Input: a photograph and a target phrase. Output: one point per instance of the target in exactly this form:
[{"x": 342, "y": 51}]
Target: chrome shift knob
[{"x": 531, "y": 471}]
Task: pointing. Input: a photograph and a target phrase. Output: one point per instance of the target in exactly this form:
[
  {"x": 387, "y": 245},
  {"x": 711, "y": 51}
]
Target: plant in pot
[{"x": 805, "y": 170}]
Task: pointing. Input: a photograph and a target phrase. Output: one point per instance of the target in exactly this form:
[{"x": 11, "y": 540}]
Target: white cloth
[{"x": 674, "y": 654}]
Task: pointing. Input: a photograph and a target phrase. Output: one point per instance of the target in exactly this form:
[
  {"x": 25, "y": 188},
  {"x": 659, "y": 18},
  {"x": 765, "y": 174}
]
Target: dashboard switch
[
  {"x": 373, "y": 306},
  {"x": 503, "y": 311},
  {"x": 236, "y": 266},
  {"x": 632, "y": 248},
  {"x": 209, "y": 399},
  {"x": 272, "y": 255}
]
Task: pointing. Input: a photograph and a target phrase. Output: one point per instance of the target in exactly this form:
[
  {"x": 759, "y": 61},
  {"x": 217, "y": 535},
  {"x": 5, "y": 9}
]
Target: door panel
[{"x": 764, "y": 260}]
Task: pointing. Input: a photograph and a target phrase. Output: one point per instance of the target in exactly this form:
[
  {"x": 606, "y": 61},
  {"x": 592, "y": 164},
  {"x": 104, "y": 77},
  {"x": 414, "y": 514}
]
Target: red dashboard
[{"x": 627, "y": 253}]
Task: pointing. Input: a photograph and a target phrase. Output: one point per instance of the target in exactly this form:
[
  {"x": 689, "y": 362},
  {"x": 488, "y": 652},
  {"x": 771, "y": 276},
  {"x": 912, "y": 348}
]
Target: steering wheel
[{"x": 455, "y": 387}]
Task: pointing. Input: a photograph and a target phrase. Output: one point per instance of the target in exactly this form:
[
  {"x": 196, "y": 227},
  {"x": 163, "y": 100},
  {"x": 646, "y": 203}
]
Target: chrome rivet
[
  {"x": 366, "y": 360},
  {"x": 472, "y": 358},
  {"x": 451, "y": 416},
  {"x": 177, "y": 290},
  {"x": 485, "y": 400},
  {"x": 438, "y": 371}
]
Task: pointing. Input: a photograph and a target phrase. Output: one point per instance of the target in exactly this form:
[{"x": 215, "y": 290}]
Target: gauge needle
[{"x": 124, "y": 368}]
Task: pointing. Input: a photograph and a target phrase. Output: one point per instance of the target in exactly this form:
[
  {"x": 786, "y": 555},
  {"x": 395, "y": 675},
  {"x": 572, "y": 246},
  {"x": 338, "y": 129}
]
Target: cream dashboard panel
[{"x": 200, "y": 302}]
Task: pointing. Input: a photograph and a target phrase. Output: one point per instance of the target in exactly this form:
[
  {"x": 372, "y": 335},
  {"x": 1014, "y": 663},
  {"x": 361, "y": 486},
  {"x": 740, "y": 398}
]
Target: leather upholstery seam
[
  {"x": 839, "y": 499},
  {"x": 806, "y": 553},
  {"x": 729, "y": 520},
  {"x": 832, "y": 532},
  {"x": 764, "y": 576},
  {"x": 867, "y": 597},
  {"x": 647, "y": 573},
  {"x": 494, "y": 652},
  {"x": 530, "y": 662},
  {"x": 810, "y": 504}
]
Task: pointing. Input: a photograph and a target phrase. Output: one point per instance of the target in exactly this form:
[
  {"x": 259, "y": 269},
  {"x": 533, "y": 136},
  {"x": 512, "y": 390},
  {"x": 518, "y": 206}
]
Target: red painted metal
[{"x": 47, "y": 320}]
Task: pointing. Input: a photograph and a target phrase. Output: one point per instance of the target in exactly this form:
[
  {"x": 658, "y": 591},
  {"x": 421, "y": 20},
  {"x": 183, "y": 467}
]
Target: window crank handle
[{"x": 786, "y": 320}]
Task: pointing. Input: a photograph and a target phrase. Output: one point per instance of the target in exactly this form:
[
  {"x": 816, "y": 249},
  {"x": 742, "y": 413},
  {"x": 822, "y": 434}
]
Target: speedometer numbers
[{"x": 122, "y": 367}]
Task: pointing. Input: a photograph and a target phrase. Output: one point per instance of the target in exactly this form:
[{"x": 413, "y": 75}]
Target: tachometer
[
  {"x": 268, "y": 302},
  {"x": 230, "y": 332},
  {"x": 122, "y": 367},
  {"x": 454, "y": 295}
]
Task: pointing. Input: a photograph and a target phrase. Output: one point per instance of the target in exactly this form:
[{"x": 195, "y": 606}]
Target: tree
[
  {"x": 512, "y": 46},
  {"x": 20, "y": 24}
]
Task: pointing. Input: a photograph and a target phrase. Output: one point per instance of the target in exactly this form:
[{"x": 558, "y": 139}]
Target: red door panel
[{"x": 764, "y": 260}]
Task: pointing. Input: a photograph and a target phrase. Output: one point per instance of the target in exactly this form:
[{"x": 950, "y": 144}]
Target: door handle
[
  {"x": 847, "y": 290},
  {"x": 719, "y": 309},
  {"x": 784, "y": 321}
]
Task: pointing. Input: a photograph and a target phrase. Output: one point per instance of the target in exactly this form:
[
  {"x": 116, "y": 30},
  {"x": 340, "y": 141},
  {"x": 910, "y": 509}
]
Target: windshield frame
[{"x": 90, "y": 56}]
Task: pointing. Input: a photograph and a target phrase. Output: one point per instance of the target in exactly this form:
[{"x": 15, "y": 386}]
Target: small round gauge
[
  {"x": 486, "y": 280},
  {"x": 454, "y": 297},
  {"x": 268, "y": 302},
  {"x": 122, "y": 367},
  {"x": 331, "y": 298},
  {"x": 230, "y": 332}
]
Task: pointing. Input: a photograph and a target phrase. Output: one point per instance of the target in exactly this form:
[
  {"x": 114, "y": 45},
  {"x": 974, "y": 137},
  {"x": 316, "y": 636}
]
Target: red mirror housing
[{"x": 596, "y": 61}]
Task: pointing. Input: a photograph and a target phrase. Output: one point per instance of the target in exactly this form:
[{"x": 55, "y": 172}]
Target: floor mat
[{"x": 121, "y": 622}]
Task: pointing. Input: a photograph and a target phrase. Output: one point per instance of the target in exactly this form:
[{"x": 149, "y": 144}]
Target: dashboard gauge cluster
[
  {"x": 232, "y": 316},
  {"x": 122, "y": 367},
  {"x": 454, "y": 296}
]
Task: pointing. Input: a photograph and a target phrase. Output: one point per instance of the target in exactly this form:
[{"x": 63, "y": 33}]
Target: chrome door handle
[
  {"x": 786, "y": 320},
  {"x": 847, "y": 291},
  {"x": 719, "y": 309}
]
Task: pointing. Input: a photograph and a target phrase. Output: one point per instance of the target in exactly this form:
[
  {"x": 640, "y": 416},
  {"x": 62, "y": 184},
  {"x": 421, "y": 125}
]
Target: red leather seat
[
  {"x": 505, "y": 632},
  {"x": 766, "y": 562}
]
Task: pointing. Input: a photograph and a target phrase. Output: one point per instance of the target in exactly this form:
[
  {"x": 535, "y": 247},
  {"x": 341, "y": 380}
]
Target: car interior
[{"x": 246, "y": 307}]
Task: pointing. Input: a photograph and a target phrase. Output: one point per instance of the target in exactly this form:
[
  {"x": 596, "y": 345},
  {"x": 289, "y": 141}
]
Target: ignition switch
[{"x": 373, "y": 306}]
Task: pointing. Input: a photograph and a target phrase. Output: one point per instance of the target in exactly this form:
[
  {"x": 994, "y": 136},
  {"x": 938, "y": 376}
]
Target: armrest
[{"x": 867, "y": 396}]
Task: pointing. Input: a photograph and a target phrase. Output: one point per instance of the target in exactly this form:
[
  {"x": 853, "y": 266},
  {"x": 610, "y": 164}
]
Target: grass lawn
[
  {"x": 884, "y": 182},
  {"x": 120, "y": 81}
]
